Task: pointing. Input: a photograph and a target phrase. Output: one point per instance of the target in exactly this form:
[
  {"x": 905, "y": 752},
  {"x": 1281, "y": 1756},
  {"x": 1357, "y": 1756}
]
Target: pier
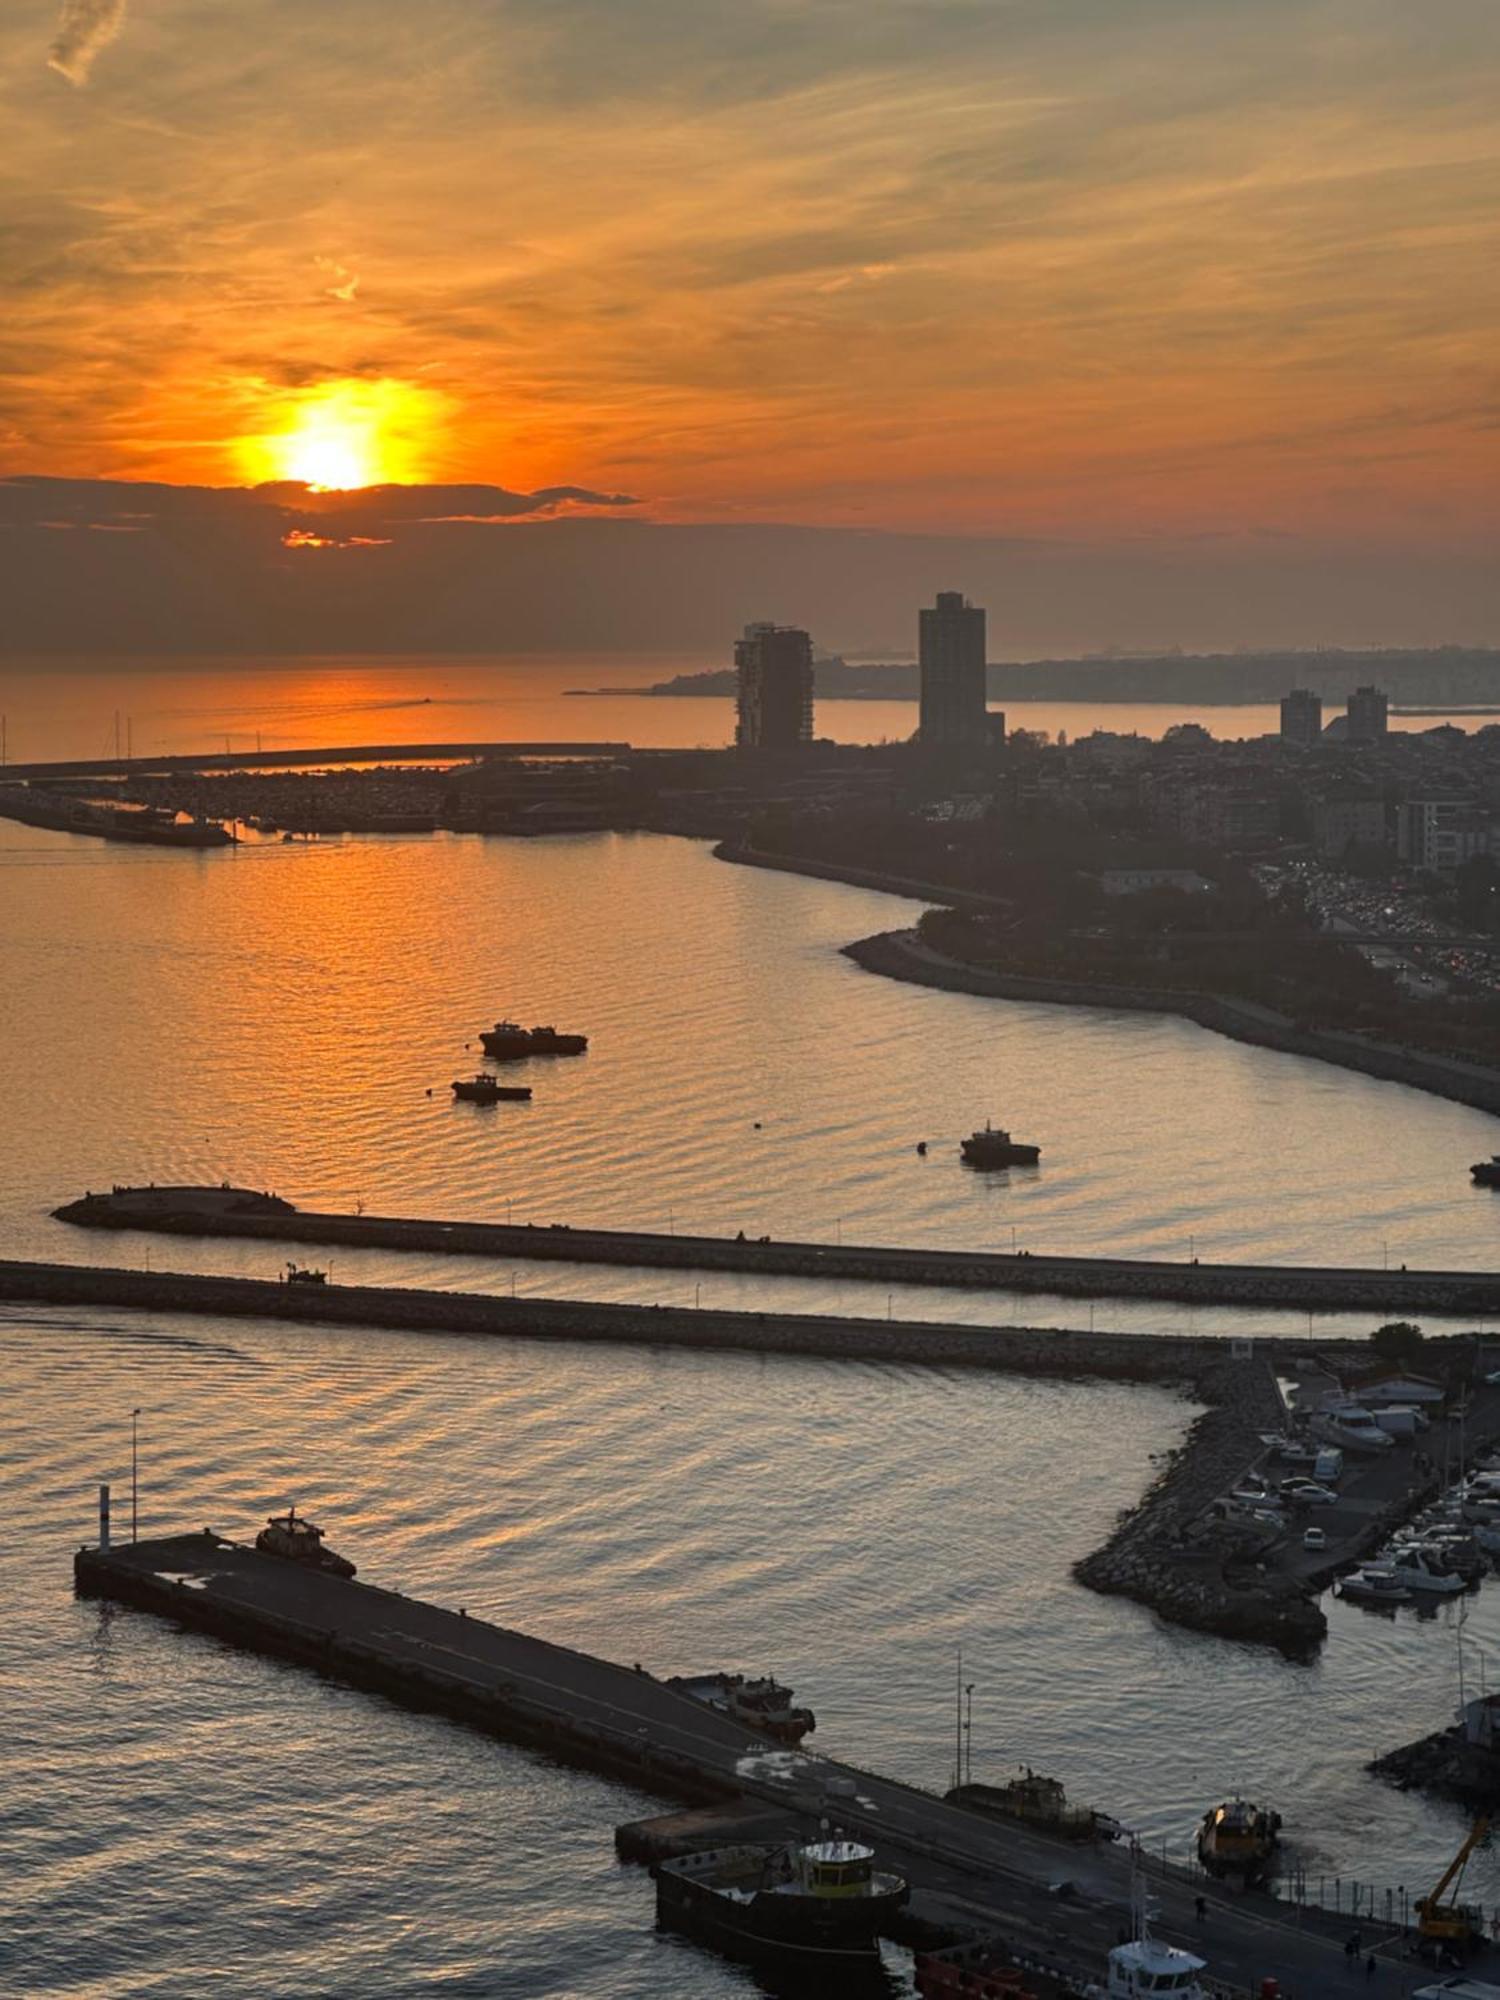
[
  {"x": 228, "y": 1211},
  {"x": 625, "y": 1722}
]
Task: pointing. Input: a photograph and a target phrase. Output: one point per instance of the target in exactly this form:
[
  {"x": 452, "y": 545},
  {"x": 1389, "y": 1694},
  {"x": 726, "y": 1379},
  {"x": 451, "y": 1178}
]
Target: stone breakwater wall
[
  {"x": 236, "y": 1212},
  {"x": 1040, "y": 1351},
  {"x": 1146, "y": 1559},
  {"x": 902, "y": 955}
]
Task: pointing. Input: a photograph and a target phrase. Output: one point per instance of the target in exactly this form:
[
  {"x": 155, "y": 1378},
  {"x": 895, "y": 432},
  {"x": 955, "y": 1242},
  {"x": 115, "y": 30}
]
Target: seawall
[
  {"x": 1318, "y": 1288},
  {"x": 902, "y": 955}
]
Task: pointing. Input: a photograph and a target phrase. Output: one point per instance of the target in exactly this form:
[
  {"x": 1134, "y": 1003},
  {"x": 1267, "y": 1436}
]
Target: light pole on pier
[{"x": 134, "y": 1475}]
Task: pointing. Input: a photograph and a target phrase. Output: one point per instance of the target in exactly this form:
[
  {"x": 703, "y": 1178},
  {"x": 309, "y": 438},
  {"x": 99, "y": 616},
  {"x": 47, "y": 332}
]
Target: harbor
[
  {"x": 243, "y": 1212},
  {"x": 968, "y": 1871}
]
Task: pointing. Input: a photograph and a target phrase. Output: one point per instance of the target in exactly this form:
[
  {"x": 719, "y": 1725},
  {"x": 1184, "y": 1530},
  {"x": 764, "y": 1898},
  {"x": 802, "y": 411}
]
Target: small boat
[
  {"x": 1145, "y": 1965},
  {"x": 508, "y": 1041},
  {"x": 994, "y": 1147},
  {"x": 1036, "y": 1801},
  {"x": 304, "y": 1274},
  {"x": 1487, "y": 1172},
  {"x": 1424, "y": 1570},
  {"x": 762, "y": 1704},
  {"x": 296, "y": 1538},
  {"x": 487, "y": 1090},
  {"x": 819, "y": 1904},
  {"x": 1238, "y": 1839},
  {"x": 1374, "y": 1584}
]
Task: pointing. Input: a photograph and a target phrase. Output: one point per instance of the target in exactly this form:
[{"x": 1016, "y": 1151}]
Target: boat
[
  {"x": 1034, "y": 1800},
  {"x": 304, "y": 1274},
  {"x": 994, "y": 1147},
  {"x": 988, "y": 1969},
  {"x": 1144, "y": 1965},
  {"x": 1375, "y": 1583},
  {"x": 296, "y": 1538},
  {"x": 1352, "y": 1429},
  {"x": 508, "y": 1041},
  {"x": 762, "y": 1704},
  {"x": 1487, "y": 1172},
  {"x": 817, "y": 1905},
  {"x": 1238, "y": 1839},
  {"x": 487, "y": 1090},
  {"x": 1425, "y": 1570}
]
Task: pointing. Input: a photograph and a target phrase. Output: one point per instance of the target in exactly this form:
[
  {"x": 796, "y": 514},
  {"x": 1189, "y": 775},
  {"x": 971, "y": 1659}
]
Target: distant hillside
[{"x": 1448, "y": 676}]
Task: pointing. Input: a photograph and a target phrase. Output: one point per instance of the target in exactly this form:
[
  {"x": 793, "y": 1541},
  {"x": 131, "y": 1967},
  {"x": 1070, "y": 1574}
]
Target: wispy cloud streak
[{"x": 83, "y": 28}]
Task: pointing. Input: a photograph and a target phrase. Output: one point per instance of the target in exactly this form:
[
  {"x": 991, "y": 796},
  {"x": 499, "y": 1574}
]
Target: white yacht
[
  {"x": 1422, "y": 1569},
  {"x": 1145, "y": 1965},
  {"x": 1376, "y": 1583}
]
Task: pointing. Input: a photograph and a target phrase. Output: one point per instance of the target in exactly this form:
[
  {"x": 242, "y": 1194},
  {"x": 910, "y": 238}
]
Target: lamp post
[{"x": 134, "y": 1475}]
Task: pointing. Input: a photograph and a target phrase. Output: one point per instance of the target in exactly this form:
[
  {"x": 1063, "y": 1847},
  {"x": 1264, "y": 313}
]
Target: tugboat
[
  {"x": 304, "y": 1274},
  {"x": 994, "y": 1147},
  {"x": 1487, "y": 1172},
  {"x": 822, "y": 1904},
  {"x": 293, "y": 1536},
  {"x": 486, "y": 1090},
  {"x": 760, "y": 1704},
  {"x": 508, "y": 1041},
  {"x": 1239, "y": 1839}
]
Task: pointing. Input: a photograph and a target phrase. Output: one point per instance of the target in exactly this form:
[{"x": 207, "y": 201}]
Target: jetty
[
  {"x": 242, "y": 1212},
  {"x": 626, "y": 1722}
]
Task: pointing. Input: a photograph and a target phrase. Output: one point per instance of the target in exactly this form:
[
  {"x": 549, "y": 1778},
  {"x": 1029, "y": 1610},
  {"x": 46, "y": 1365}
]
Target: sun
[{"x": 345, "y": 434}]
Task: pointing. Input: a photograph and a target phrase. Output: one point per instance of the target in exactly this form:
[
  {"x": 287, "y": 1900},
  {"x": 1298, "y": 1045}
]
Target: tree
[{"x": 1398, "y": 1343}]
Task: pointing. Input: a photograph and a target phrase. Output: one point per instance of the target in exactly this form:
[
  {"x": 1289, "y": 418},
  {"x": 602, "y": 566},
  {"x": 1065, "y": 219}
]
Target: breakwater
[
  {"x": 1319, "y": 1288},
  {"x": 1115, "y": 1357},
  {"x": 903, "y": 955}
]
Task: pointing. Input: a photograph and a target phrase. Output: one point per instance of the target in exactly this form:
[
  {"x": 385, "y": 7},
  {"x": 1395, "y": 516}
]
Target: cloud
[{"x": 84, "y": 27}]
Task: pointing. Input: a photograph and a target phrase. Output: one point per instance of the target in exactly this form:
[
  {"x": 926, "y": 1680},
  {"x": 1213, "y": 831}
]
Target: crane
[{"x": 1451, "y": 1924}]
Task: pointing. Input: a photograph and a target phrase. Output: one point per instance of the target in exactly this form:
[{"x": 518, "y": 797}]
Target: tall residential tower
[
  {"x": 774, "y": 696},
  {"x": 953, "y": 684}
]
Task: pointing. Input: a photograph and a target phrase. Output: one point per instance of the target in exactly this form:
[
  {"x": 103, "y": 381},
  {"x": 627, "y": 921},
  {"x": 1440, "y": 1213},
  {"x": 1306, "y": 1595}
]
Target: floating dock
[{"x": 241, "y": 1212}]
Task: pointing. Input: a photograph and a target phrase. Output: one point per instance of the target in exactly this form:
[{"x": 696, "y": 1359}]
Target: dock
[
  {"x": 240, "y": 1212},
  {"x": 623, "y": 1721}
]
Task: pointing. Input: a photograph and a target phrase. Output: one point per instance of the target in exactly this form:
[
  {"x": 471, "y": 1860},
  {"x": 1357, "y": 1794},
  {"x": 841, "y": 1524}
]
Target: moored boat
[
  {"x": 1033, "y": 1800},
  {"x": 763, "y": 1704},
  {"x": 1374, "y": 1583},
  {"x": 989, "y": 1969},
  {"x": 816, "y": 1905},
  {"x": 994, "y": 1147},
  {"x": 508, "y": 1041},
  {"x": 1239, "y": 1839},
  {"x": 1487, "y": 1172},
  {"x": 487, "y": 1090},
  {"x": 296, "y": 1538}
]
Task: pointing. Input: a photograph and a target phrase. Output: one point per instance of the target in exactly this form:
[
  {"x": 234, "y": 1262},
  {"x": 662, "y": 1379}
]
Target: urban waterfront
[{"x": 276, "y": 1015}]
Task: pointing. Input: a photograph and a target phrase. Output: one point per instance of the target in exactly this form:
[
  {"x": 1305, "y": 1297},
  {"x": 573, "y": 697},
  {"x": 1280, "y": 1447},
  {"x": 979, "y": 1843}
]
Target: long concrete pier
[
  {"x": 240, "y": 1212},
  {"x": 625, "y": 1721}
]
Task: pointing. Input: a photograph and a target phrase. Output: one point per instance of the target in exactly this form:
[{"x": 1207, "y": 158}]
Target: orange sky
[{"x": 1098, "y": 267}]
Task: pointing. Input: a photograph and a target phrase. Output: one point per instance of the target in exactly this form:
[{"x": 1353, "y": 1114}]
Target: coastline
[{"x": 901, "y": 954}]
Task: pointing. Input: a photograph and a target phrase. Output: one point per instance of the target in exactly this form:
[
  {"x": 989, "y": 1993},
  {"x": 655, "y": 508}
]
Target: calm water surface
[{"x": 185, "y": 1818}]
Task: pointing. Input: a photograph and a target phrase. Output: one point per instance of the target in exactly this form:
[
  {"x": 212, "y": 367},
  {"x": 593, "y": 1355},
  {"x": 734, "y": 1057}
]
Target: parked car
[
  {"x": 1314, "y": 1538},
  {"x": 1308, "y": 1493}
]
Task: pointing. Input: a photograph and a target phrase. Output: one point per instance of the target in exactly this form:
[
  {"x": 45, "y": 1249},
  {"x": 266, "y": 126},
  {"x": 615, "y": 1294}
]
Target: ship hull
[
  {"x": 512, "y": 1048},
  {"x": 801, "y": 1929}
]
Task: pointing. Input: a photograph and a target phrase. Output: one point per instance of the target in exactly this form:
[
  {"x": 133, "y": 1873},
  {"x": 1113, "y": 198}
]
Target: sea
[{"x": 179, "y": 1819}]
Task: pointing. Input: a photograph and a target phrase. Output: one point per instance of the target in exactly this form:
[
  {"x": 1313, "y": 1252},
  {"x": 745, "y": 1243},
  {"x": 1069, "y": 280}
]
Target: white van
[{"x": 1328, "y": 1466}]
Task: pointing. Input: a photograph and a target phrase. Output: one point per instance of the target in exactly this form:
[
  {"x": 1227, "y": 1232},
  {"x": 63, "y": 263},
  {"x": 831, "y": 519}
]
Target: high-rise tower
[
  {"x": 774, "y": 696},
  {"x": 953, "y": 684}
]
